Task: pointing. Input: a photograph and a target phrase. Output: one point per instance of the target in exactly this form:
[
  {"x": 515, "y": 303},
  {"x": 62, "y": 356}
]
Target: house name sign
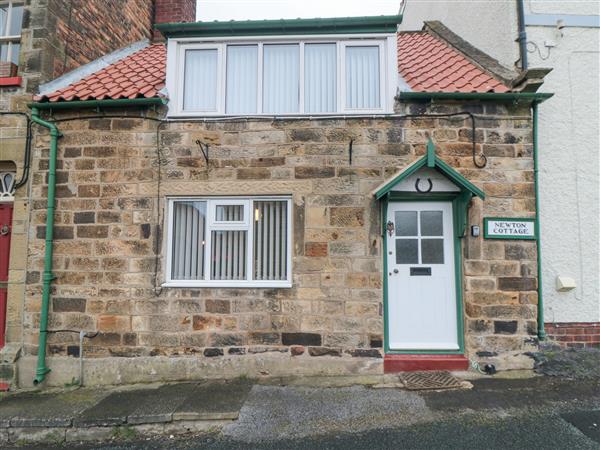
[{"x": 508, "y": 228}]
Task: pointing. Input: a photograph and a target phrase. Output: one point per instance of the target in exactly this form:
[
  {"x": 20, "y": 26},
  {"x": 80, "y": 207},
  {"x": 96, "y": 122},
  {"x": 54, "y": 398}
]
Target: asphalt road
[
  {"x": 532, "y": 432},
  {"x": 536, "y": 413}
]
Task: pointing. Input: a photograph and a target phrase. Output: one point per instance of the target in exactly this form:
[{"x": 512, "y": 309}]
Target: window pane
[
  {"x": 406, "y": 223},
  {"x": 270, "y": 240},
  {"x": 281, "y": 78},
  {"x": 228, "y": 255},
  {"x": 16, "y": 20},
  {"x": 229, "y": 213},
  {"x": 3, "y": 18},
  {"x": 407, "y": 251},
  {"x": 200, "y": 84},
  {"x": 14, "y": 53},
  {"x": 320, "y": 78},
  {"x": 188, "y": 240},
  {"x": 4, "y": 52},
  {"x": 432, "y": 251},
  {"x": 431, "y": 223},
  {"x": 362, "y": 77},
  {"x": 242, "y": 76}
]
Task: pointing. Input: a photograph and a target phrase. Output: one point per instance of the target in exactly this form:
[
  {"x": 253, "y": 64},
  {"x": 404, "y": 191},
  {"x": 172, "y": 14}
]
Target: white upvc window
[
  {"x": 309, "y": 76},
  {"x": 229, "y": 242},
  {"x": 11, "y": 19}
]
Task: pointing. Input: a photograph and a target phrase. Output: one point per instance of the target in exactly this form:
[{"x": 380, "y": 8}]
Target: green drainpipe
[
  {"x": 42, "y": 370},
  {"x": 540, "y": 307}
]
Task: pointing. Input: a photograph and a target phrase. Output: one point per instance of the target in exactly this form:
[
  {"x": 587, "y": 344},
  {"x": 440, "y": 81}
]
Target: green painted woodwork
[
  {"x": 453, "y": 197},
  {"x": 486, "y": 234},
  {"x": 432, "y": 161},
  {"x": 460, "y": 205},
  {"x": 529, "y": 97},
  {"x": 153, "y": 101},
  {"x": 337, "y": 25},
  {"x": 430, "y": 154}
]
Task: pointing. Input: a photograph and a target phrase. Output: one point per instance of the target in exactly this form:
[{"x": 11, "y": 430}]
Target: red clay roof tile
[
  {"x": 426, "y": 62},
  {"x": 118, "y": 80}
]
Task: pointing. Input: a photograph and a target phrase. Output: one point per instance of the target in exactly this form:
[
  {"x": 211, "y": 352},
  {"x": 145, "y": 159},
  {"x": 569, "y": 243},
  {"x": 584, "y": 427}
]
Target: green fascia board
[
  {"x": 337, "y": 25},
  {"x": 441, "y": 167},
  {"x": 458, "y": 179},
  {"x": 401, "y": 176},
  {"x": 113, "y": 103},
  {"x": 529, "y": 97}
]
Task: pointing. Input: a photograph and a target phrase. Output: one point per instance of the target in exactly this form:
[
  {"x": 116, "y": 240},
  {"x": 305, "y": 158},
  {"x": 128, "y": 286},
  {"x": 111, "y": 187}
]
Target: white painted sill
[{"x": 228, "y": 284}]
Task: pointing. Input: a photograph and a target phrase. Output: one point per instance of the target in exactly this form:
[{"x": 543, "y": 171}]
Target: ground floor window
[{"x": 233, "y": 241}]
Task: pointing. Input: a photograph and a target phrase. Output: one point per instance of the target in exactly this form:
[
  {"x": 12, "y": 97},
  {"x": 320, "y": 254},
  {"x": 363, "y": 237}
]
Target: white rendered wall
[
  {"x": 568, "y": 135},
  {"x": 569, "y": 161}
]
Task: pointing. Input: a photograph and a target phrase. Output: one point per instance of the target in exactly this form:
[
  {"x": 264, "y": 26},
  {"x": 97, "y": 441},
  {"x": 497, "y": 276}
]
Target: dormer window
[{"x": 275, "y": 77}]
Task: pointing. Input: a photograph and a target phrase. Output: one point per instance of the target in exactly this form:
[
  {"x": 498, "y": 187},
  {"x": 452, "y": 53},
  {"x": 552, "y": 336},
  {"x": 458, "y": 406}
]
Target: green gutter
[
  {"x": 110, "y": 103},
  {"x": 42, "y": 370},
  {"x": 338, "y": 25},
  {"x": 482, "y": 96},
  {"x": 540, "y": 306}
]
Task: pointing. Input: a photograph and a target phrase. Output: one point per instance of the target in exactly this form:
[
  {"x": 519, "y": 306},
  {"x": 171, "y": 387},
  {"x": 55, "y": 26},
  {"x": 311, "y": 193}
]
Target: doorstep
[{"x": 411, "y": 363}]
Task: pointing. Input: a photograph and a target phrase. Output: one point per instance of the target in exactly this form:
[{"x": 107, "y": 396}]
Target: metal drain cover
[{"x": 416, "y": 381}]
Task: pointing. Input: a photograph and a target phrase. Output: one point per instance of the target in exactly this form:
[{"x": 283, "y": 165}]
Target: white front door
[{"x": 421, "y": 279}]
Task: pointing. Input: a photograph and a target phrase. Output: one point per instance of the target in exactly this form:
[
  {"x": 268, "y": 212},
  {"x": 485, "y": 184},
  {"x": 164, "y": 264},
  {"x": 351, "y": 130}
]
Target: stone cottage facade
[{"x": 201, "y": 245}]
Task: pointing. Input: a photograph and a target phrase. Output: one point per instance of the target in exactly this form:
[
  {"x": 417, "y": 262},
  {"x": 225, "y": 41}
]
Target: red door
[{"x": 6, "y": 210}]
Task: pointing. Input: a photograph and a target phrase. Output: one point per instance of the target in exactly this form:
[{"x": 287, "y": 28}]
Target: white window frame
[
  {"x": 10, "y": 39},
  {"x": 212, "y": 225},
  {"x": 228, "y": 224},
  {"x": 220, "y": 103},
  {"x": 387, "y": 72},
  {"x": 342, "y": 77}
]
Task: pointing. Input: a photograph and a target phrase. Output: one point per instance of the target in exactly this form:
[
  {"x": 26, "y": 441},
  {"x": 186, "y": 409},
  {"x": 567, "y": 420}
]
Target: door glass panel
[
  {"x": 406, "y": 223},
  {"x": 432, "y": 251},
  {"x": 407, "y": 251},
  {"x": 431, "y": 223}
]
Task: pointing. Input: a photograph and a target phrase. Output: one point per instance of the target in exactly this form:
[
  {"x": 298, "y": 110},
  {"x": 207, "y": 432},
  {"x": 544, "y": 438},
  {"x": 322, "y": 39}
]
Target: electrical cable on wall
[{"x": 163, "y": 160}]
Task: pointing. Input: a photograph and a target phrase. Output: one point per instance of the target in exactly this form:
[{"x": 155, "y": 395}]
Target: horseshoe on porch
[{"x": 423, "y": 191}]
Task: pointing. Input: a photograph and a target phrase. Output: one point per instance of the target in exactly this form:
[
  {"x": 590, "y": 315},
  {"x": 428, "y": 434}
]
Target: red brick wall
[
  {"x": 575, "y": 334},
  {"x": 166, "y": 11},
  {"x": 89, "y": 29},
  {"x": 175, "y": 11}
]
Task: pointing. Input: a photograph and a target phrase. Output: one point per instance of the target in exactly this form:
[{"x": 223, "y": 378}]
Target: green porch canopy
[{"x": 432, "y": 161}]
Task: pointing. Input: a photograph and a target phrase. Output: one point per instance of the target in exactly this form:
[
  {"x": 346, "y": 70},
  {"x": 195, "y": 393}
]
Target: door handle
[
  {"x": 395, "y": 270},
  {"x": 4, "y": 230}
]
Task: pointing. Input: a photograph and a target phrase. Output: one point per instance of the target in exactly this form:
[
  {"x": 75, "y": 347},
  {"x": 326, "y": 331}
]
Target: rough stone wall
[{"x": 109, "y": 212}]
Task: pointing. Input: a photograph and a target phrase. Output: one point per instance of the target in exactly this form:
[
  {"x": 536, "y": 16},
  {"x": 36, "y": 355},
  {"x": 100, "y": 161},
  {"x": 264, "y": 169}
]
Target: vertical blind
[
  {"x": 189, "y": 229},
  {"x": 281, "y": 78},
  {"x": 239, "y": 250},
  {"x": 320, "y": 78},
  {"x": 270, "y": 240},
  {"x": 242, "y": 79},
  {"x": 362, "y": 77},
  {"x": 200, "y": 83},
  {"x": 228, "y": 255},
  {"x": 229, "y": 213}
]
